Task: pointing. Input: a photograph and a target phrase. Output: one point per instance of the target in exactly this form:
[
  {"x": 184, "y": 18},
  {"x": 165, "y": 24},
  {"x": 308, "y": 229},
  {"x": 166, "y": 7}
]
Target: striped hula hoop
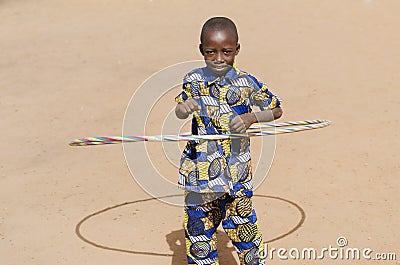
[{"x": 260, "y": 129}]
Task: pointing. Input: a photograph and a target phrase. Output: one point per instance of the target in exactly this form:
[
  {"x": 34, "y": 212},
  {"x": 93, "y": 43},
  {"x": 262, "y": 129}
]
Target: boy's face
[{"x": 219, "y": 48}]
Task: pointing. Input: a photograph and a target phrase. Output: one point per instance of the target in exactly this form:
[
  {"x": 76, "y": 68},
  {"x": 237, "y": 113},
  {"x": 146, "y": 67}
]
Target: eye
[
  {"x": 209, "y": 52},
  {"x": 228, "y": 52}
]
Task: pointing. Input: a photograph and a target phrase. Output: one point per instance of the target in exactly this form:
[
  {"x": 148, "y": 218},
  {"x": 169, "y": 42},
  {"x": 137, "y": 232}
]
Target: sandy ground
[{"x": 69, "y": 68}]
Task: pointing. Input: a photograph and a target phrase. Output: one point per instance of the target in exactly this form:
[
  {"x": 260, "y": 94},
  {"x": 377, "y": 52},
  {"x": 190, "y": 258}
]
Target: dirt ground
[{"x": 69, "y": 68}]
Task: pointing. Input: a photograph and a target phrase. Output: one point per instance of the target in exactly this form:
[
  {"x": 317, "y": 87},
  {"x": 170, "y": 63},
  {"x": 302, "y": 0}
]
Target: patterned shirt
[{"x": 209, "y": 166}]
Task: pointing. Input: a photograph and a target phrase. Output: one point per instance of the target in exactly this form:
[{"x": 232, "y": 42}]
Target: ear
[
  {"x": 237, "y": 49},
  {"x": 201, "y": 49}
]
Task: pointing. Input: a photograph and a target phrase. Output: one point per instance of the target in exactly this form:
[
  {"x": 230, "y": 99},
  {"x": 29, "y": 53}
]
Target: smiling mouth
[{"x": 219, "y": 67}]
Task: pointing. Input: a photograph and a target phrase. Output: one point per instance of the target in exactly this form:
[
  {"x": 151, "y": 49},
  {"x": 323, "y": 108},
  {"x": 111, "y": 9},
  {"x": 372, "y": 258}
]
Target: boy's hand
[
  {"x": 241, "y": 123},
  {"x": 184, "y": 109}
]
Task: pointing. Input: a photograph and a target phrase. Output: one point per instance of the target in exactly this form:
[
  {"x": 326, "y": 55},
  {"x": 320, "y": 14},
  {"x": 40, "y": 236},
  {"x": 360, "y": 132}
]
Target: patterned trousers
[{"x": 239, "y": 221}]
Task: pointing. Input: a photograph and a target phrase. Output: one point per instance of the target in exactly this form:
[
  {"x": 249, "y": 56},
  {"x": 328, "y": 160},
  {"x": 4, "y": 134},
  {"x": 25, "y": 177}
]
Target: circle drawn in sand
[{"x": 78, "y": 227}]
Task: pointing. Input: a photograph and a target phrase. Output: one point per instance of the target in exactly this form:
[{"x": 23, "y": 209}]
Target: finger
[
  {"x": 233, "y": 123},
  {"x": 237, "y": 123},
  {"x": 240, "y": 127},
  {"x": 186, "y": 108},
  {"x": 237, "y": 120},
  {"x": 192, "y": 105},
  {"x": 236, "y": 127}
]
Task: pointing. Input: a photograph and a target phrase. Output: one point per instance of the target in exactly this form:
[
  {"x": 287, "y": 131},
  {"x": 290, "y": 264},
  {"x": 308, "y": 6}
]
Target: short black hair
[{"x": 219, "y": 23}]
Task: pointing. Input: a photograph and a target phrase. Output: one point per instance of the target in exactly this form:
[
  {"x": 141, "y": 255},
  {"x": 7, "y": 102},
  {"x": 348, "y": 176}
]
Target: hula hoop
[{"x": 261, "y": 129}]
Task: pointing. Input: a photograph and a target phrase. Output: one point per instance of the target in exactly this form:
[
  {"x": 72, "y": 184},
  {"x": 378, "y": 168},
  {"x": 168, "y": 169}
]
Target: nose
[{"x": 220, "y": 57}]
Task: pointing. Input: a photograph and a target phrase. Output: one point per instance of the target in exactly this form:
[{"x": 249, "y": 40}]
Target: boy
[{"x": 216, "y": 174}]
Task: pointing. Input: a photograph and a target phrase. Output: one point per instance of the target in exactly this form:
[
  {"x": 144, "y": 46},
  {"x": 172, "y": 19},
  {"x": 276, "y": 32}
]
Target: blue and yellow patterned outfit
[{"x": 221, "y": 167}]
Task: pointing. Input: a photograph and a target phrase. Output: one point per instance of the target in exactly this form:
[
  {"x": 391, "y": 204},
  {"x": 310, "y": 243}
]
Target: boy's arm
[
  {"x": 268, "y": 115},
  {"x": 184, "y": 109},
  {"x": 263, "y": 98},
  {"x": 241, "y": 123}
]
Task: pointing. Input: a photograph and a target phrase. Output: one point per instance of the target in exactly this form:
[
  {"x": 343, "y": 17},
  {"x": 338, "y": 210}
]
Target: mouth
[{"x": 218, "y": 67}]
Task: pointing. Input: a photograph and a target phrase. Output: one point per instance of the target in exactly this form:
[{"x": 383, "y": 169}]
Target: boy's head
[{"x": 219, "y": 44}]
